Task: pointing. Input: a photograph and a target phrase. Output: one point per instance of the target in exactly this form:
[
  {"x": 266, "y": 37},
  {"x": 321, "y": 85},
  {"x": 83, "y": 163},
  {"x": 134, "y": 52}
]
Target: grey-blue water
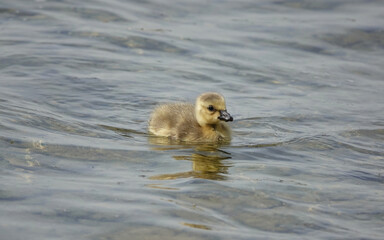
[{"x": 303, "y": 79}]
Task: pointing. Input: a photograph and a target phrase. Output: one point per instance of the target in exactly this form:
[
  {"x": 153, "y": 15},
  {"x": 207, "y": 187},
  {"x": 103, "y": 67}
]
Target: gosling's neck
[
  {"x": 212, "y": 126},
  {"x": 198, "y": 117}
]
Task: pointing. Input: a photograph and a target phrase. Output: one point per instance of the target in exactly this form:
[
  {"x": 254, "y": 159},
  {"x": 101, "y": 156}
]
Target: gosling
[{"x": 203, "y": 122}]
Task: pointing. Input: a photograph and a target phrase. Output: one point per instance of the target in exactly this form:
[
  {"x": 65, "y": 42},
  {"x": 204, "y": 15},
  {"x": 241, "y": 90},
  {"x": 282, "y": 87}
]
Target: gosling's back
[{"x": 175, "y": 120}]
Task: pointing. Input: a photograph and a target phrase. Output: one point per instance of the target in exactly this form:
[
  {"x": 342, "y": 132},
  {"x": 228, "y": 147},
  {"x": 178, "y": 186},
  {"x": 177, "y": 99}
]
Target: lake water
[{"x": 303, "y": 79}]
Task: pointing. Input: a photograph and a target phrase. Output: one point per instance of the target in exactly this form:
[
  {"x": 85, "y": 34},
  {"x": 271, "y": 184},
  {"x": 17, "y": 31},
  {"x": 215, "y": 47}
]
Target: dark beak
[{"x": 225, "y": 116}]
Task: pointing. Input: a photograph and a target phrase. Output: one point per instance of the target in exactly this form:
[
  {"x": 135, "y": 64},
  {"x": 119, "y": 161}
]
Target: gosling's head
[{"x": 210, "y": 109}]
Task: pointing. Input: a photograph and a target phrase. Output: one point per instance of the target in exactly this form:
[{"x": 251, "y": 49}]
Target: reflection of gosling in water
[{"x": 202, "y": 122}]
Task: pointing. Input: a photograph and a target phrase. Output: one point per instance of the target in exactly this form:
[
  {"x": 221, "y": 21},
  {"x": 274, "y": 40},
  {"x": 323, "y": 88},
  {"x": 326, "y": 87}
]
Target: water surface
[{"x": 303, "y": 80}]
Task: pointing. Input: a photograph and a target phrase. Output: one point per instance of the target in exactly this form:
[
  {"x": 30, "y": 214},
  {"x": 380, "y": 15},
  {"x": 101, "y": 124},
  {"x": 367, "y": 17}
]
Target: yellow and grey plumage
[{"x": 203, "y": 121}]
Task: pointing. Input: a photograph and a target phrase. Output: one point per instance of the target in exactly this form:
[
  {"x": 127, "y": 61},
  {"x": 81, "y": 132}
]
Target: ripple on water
[
  {"x": 17, "y": 14},
  {"x": 100, "y": 15},
  {"x": 358, "y": 39}
]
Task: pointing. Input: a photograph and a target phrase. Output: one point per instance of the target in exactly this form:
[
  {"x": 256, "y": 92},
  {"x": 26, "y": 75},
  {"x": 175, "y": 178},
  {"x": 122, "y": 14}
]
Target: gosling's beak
[{"x": 225, "y": 116}]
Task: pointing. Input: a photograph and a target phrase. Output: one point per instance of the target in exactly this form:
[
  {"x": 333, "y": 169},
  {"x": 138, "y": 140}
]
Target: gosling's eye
[{"x": 211, "y": 108}]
